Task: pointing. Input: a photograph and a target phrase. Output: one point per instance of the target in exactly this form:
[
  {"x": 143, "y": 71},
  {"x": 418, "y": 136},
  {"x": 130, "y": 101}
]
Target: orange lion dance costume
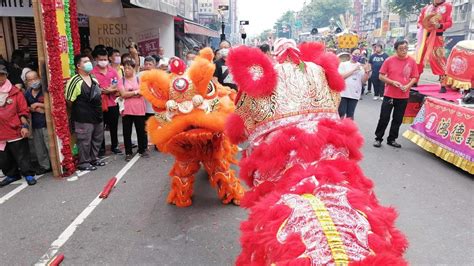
[
  {"x": 310, "y": 203},
  {"x": 189, "y": 123}
]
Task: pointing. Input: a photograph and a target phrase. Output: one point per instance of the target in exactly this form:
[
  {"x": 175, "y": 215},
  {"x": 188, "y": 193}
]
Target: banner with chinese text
[
  {"x": 63, "y": 38},
  {"x": 446, "y": 130}
]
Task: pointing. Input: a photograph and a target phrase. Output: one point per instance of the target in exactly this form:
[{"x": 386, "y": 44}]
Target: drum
[{"x": 460, "y": 67}]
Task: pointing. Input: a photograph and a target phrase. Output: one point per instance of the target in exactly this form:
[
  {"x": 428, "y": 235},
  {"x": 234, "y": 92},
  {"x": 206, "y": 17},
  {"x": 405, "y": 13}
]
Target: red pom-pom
[
  {"x": 235, "y": 128},
  {"x": 330, "y": 63},
  {"x": 177, "y": 66},
  {"x": 252, "y": 71},
  {"x": 311, "y": 50},
  {"x": 315, "y": 52}
]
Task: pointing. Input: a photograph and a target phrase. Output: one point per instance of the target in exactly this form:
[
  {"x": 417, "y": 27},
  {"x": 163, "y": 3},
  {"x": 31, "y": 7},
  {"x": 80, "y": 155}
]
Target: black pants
[
  {"x": 111, "y": 118},
  {"x": 347, "y": 107},
  {"x": 147, "y": 116},
  {"x": 369, "y": 85},
  {"x": 15, "y": 159},
  {"x": 379, "y": 87},
  {"x": 139, "y": 121},
  {"x": 398, "y": 106}
]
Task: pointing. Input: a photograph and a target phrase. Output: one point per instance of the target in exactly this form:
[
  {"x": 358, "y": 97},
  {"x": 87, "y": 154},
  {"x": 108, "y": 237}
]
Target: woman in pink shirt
[{"x": 133, "y": 111}]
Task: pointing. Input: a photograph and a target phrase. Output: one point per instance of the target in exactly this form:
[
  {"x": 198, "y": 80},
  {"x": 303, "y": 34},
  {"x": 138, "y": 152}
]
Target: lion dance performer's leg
[
  {"x": 182, "y": 181},
  {"x": 221, "y": 176},
  {"x": 436, "y": 57},
  {"x": 438, "y": 61}
]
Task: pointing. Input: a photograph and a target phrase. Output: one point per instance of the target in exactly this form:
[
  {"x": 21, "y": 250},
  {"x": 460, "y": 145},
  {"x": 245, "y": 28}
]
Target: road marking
[
  {"x": 77, "y": 175},
  {"x": 17, "y": 190},
  {"x": 80, "y": 173},
  {"x": 69, "y": 231},
  {"x": 24, "y": 185}
]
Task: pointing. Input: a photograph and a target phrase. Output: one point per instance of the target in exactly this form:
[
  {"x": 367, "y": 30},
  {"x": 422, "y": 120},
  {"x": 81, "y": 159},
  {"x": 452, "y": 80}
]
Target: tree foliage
[
  {"x": 407, "y": 7},
  {"x": 288, "y": 17},
  {"x": 265, "y": 34},
  {"x": 318, "y": 12}
]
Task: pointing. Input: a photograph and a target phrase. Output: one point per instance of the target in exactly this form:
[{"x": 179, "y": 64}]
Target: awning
[
  {"x": 104, "y": 9},
  {"x": 188, "y": 42},
  {"x": 192, "y": 28},
  {"x": 157, "y": 5}
]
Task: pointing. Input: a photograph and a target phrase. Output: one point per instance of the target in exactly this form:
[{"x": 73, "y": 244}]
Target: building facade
[
  {"x": 207, "y": 14},
  {"x": 379, "y": 24},
  {"x": 463, "y": 22}
]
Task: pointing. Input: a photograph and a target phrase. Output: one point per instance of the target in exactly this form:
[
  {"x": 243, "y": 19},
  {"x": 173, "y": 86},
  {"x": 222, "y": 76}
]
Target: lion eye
[
  {"x": 180, "y": 84},
  {"x": 211, "y": 89}
]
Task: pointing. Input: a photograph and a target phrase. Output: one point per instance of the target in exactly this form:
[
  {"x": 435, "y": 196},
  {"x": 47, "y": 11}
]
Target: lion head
[{"x": 191, "y": 108}]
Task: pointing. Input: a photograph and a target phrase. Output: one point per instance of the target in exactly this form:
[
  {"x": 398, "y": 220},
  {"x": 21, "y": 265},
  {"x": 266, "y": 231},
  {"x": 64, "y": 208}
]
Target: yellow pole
[{"x": 43, "y": 71}]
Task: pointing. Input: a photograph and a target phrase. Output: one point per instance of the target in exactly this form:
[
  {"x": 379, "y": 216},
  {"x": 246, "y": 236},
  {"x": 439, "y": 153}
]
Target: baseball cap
[{"x": 3, "y": 69}]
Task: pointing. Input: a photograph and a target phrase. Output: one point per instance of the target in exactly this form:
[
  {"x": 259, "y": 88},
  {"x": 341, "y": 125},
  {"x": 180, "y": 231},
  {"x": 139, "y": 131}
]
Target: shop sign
[
  {"x": 148, "y": 41},
  {"x": 18, "y": 8}
]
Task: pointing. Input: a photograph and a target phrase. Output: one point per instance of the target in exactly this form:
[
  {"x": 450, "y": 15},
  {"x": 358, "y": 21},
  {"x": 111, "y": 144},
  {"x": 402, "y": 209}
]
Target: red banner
[{"x": 447, "y": 130}]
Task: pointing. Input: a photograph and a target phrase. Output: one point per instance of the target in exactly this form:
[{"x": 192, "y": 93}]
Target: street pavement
[{"x": 135, "y": 226}]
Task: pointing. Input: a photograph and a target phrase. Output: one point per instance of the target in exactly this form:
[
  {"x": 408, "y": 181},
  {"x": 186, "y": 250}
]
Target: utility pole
[
  {"x": 243, "y": 34},
  {"x": 221, "y": 10},
  {"x": 42, "y": 62}
]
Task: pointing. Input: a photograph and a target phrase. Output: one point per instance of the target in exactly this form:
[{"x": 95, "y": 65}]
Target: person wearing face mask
[
  {"x": 190, "y": 58},
  {"x": 222, "y": 74},
  {"x": 110, "y": 83},
  {"x": 355, "y": 75},
  {"x": 133, "y": 112},
  {"x": 149, "y": 64},
  {"x": 35, "y": 99},
  {"x": 83, "y": 97},
  {"x": 115, "y": 62},
  {"x": 14, "y": 131}
]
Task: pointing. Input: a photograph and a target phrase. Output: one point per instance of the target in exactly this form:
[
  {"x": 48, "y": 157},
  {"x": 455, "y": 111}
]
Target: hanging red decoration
[
  {"x": 76, "y": 40},
  {"x": 56, "y": 86}
]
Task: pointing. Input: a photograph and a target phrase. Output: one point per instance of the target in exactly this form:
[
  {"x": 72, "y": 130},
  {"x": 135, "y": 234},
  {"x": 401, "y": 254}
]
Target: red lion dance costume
[
  {"x": 433, "y": 21},
  {"x": 189, "y": 123},
  {"x": 310, "y": 203}
]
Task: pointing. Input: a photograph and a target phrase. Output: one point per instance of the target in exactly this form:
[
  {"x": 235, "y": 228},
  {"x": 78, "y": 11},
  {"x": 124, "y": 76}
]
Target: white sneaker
[
  {"x": 376, "y": 98},
  {"x": 381, "y": 98}
]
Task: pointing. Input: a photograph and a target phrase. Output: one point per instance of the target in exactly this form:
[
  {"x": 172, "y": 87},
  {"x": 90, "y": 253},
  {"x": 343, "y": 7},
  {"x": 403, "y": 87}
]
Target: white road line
[
  {"x": 80, "y": 173},
  {"x": 17, "y": 190},
  {"x": 66, "y": 234}
]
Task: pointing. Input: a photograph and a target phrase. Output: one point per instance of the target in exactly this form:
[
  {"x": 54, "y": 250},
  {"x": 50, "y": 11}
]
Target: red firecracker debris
[
  {"x": 56, "y": 260},
  {"x": 106, "y": 191}
]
